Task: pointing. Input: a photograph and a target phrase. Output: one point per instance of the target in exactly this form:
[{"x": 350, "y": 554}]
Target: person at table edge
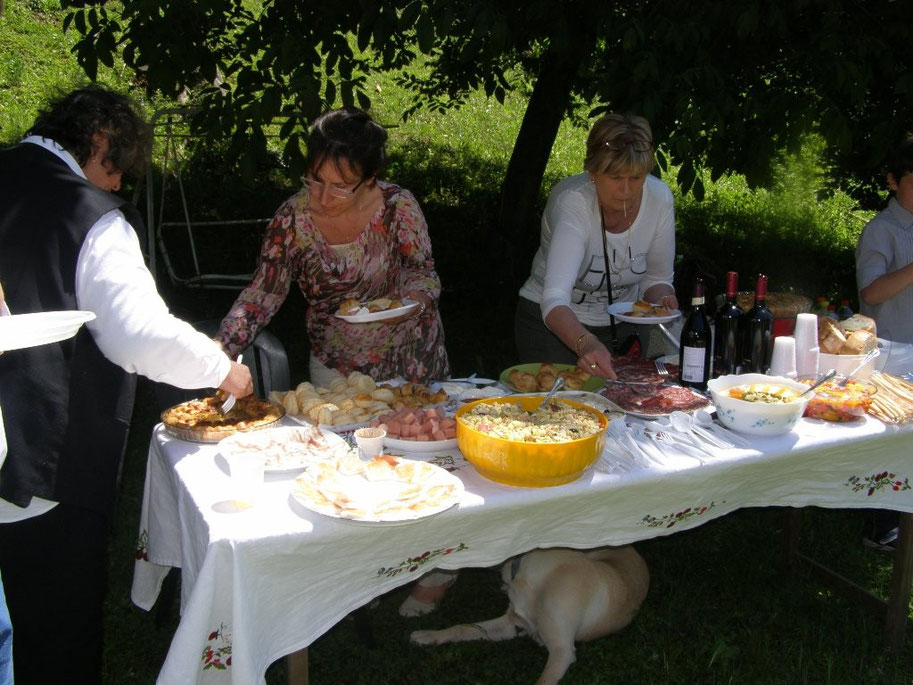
[
  {"x": 884, "y": 255},
  {"x": 6, "y": 628},
  {"x": 348, "y": 235},
  {"x": 614, "y": 220},
  {"x": 68, "y": 242}
]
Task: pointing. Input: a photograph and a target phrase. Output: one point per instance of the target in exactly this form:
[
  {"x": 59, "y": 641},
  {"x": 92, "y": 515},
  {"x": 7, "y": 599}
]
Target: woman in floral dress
[{"x": 348, "y": 236}]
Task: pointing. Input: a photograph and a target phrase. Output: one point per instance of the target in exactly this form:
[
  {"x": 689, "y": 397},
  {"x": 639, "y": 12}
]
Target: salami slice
[{"x": 641, "y": 371}]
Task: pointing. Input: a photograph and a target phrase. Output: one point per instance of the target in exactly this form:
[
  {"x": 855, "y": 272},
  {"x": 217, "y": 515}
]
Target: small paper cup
[
  {"x": 370, "y": 442},
  {"x": 246, "y": 471}
]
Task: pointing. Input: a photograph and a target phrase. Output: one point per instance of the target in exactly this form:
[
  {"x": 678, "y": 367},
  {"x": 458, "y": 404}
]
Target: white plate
[
  {"x": 645, "y": 415},
  {"x": 364, "y": 316},
  {"x": 287, "y": 448},
  {"x": 619, "y": 311},
  {"x": 28, "y": 330},
  {"x": 590, "y": 399},
  {"x": 390, "y": 499},
  {"x": 419, "y": 445}
]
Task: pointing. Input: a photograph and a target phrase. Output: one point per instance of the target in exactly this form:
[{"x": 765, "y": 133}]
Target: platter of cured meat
[{"x": 648, "y": 393}]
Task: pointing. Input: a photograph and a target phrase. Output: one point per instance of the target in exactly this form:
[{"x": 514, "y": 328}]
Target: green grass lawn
[{"x": 719, "y": 610}]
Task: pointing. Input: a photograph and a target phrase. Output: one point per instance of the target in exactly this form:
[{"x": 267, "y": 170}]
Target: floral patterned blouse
[{"x": 391, "y": 256}]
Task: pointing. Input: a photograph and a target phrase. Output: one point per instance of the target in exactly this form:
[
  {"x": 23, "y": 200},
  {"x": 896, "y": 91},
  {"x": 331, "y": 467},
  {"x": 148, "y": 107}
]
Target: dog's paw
[{"x": 425, "y": 637}]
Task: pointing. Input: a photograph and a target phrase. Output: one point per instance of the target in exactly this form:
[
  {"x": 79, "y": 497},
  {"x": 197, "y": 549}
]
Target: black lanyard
[{"x": 608, "y": 274}]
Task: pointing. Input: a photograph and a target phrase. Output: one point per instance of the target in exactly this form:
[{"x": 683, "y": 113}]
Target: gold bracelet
[{"x": 580, "y": 340}]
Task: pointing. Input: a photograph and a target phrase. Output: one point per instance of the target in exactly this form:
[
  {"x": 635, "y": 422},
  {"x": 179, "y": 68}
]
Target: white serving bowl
[
  {"x": 757, "y": 418},
  {"x": 844, "y": 363}
]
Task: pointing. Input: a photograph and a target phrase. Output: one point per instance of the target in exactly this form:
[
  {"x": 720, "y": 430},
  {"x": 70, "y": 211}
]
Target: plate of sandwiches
[
  {"x": 380, "y": 309},
  {"x": 641, "y": 312},
  {"x": 386, "y": 489}
]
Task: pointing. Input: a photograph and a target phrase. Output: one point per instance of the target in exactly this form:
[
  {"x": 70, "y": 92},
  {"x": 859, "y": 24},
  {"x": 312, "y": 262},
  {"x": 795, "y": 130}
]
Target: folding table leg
[
  {"x": 899, "y": 600},
  {"x": 296, "y": 667}
]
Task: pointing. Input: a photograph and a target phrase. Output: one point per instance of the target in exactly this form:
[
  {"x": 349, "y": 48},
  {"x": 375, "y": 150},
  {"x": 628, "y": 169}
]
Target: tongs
[
  {"x": 229, "y": 402},
  {"x": 630, "y": 385}
]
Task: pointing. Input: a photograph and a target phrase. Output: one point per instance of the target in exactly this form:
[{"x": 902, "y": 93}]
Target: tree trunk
[{"x": 546, "y": 109}]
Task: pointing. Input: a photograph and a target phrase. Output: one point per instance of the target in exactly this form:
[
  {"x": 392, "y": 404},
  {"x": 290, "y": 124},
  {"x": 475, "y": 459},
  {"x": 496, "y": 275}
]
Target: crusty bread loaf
[
  {"x": 858, "y": 322},
  {"x": 830, "y": 337},
  {"x": 858, "y": 342}
]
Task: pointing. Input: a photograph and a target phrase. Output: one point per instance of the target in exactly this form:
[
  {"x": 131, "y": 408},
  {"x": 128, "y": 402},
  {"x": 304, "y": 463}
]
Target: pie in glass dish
[{"x": 201, "y": 421}]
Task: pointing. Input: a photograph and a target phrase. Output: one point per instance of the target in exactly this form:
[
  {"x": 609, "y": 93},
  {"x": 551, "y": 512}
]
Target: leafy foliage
[{"x": 726, "y": 85}]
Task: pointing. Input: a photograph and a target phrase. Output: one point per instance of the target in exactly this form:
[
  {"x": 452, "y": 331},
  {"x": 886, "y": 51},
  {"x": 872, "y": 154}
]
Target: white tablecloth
[{"x": 270, "y": 580}]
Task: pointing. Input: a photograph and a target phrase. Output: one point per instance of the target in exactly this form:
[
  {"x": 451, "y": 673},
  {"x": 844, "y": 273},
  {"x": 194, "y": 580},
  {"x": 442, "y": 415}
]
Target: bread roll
[
  {"x": 641, "y": 308},
  {"x": 858, "y": 322},
  {"x": 338, "y": 385},
  {"x": 290, "y": 404},
  {"x": 349, "y": 307},
  {"x": 830, "y": 337},
  {"x": 859, "y": 342}
]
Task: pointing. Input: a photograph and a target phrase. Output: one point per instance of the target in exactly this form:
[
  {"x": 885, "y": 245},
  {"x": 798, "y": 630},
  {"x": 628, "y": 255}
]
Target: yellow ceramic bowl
[{"x": 528, "y": 464}]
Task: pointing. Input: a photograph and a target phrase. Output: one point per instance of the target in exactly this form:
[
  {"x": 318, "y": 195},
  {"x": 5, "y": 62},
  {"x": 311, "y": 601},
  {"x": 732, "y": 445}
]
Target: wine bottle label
[{"x": 693, "y": 364}]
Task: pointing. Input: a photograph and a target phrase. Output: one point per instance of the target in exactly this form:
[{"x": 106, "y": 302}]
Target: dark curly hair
[
  {"x": 350, "y": 134},
  {"x": 900, "y": 162},
  {"x": 73, "y": 119}
]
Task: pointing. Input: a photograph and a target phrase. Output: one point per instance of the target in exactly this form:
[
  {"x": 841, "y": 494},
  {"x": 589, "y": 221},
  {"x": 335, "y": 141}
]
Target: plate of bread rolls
[
  {"x": 355, "y": 311},
  {"x": 643, "y": 312}
]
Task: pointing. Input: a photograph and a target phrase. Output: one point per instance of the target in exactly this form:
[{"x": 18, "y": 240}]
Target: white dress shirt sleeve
[
  {"x": 571, "y": 222},
  {"x": 133, "y": 327}
]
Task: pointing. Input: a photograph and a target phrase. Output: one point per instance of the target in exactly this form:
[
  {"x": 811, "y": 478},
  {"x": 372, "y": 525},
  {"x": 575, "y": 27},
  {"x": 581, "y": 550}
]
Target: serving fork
[
  {"x": 229, "y": 402},
  {"x": 661, "y": 367}
]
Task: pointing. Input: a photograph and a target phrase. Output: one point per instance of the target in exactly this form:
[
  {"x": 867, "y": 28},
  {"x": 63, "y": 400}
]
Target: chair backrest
[{"x": 265, "y": 357}]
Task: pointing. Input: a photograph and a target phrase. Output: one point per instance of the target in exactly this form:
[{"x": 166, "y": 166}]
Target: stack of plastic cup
[
  {"x": 783, "y": 362},
  {"x": 806, "y": 342}
]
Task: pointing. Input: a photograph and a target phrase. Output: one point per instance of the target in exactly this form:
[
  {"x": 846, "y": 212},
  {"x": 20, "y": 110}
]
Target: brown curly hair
[{"x": 74, "y": 118}]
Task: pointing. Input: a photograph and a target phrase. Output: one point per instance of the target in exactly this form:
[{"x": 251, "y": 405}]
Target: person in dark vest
[
  {"x": 6, "y": 628},
  {"x": 67, "y": 242}
]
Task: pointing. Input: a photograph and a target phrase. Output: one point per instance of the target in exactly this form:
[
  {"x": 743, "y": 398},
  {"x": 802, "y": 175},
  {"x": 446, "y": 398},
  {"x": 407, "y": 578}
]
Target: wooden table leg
[
  {"x": 898, "y": 603},
  {"x": 792, "y": 528},
  {"x": 296, "y": 667}
]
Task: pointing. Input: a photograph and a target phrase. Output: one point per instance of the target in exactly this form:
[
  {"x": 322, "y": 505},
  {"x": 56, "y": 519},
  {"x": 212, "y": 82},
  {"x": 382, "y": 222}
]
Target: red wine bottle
[
  {"x": 695, "y": 350},
  {"x": 758, "y": 326},
  {"x": 726, "y": 356}
]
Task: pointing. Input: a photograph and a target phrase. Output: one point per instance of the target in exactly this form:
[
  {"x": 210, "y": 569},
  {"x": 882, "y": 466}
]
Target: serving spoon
[
  {"x": 865, "y": 360},
  {"x": 558, "y": 384},
  {"x": 825, "y": 377}
]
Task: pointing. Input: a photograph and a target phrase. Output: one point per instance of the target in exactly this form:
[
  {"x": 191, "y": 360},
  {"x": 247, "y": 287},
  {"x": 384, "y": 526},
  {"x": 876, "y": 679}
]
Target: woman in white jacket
[{"x": 613, "y": 220}]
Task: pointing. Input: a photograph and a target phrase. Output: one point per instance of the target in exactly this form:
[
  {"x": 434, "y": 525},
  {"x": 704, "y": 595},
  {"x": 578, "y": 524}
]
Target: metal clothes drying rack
[{"x": 171, "y": 130}]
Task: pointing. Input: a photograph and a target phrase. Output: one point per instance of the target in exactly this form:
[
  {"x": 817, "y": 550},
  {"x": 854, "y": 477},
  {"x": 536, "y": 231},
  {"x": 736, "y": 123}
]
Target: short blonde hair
[{"x": 620, "y": 144}]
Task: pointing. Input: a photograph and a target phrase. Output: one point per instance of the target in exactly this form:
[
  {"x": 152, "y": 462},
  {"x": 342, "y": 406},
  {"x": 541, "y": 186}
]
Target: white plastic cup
[
  {"x": 806, "y": 332},
  {"x": 783, "y": 361},
  {"x": 807, "y": 361},
  {"x": 370, "y": 442},
  {"x": 246, "y": 471}
]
